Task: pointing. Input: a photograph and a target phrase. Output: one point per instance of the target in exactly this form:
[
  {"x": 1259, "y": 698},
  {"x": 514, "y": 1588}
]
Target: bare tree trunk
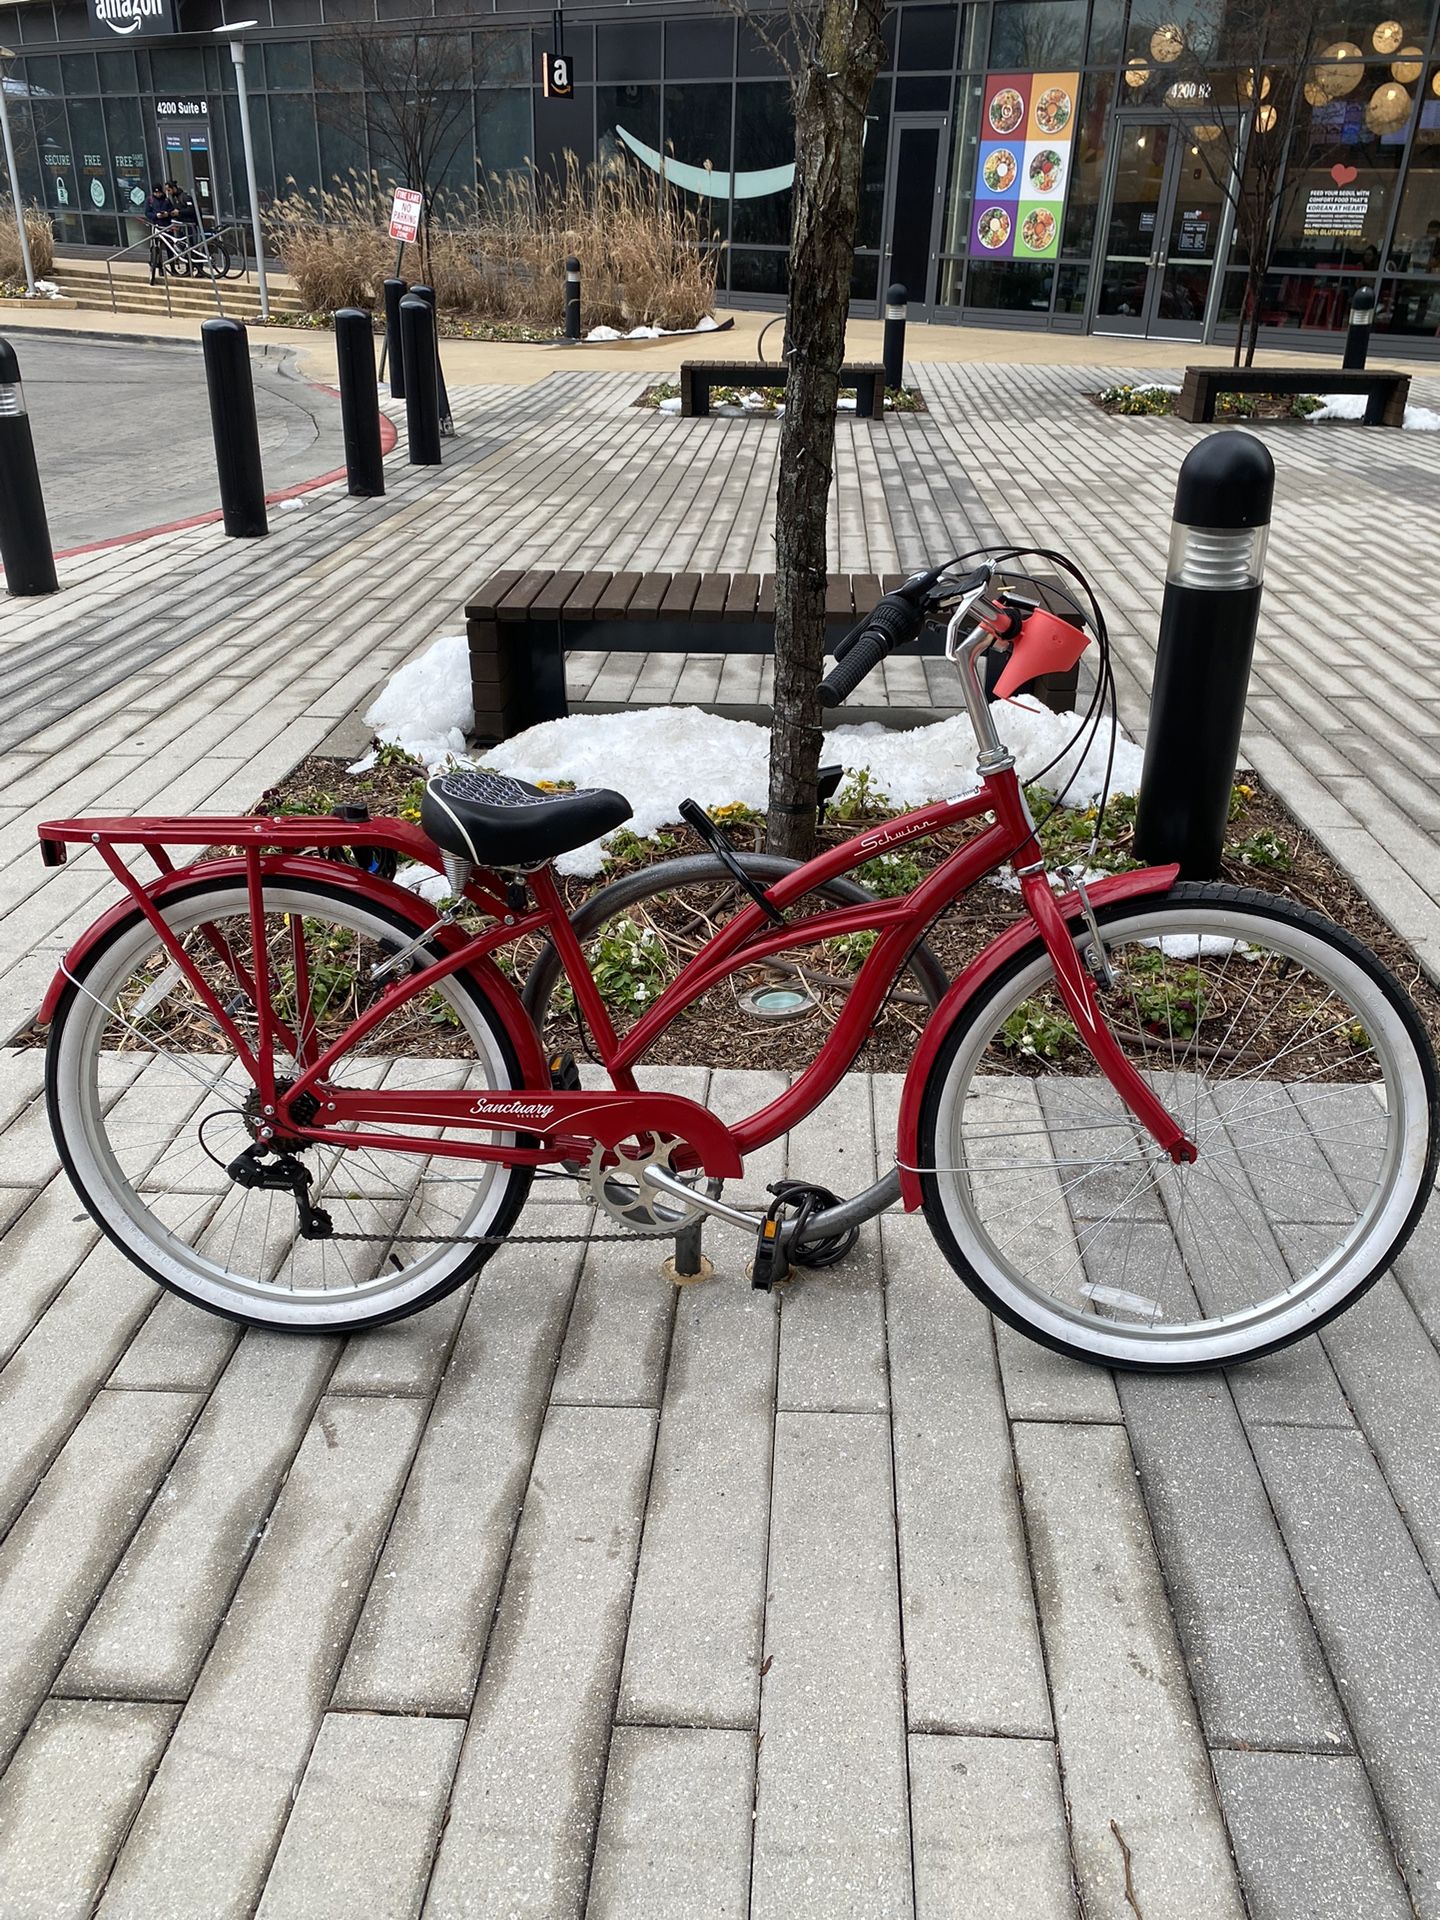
[{"x": 831, "y": 92}]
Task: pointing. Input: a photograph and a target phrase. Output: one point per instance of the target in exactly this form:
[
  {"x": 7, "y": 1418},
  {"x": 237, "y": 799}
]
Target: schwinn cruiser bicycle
[{"x": 1153, "y": 1125}]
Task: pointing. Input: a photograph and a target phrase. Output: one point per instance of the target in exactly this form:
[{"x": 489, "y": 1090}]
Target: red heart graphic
[{"x": 1342, "y": 175}]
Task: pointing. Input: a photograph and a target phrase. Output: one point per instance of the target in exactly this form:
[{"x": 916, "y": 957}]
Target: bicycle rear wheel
[
  {"x": 1292, "y": 1059},
  {"x": 149, "y": 1105},
  {"x": 219, "y": 258}
]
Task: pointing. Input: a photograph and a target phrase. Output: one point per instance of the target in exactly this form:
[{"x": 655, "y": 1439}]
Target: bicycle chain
[{"x": 491, "y": 1239}]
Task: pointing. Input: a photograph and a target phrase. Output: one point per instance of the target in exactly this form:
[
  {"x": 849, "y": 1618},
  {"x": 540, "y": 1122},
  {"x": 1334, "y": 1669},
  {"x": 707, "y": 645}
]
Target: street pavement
[
  {"x": 122, "y": 431},
  {"x": 578, "y": 1595}
]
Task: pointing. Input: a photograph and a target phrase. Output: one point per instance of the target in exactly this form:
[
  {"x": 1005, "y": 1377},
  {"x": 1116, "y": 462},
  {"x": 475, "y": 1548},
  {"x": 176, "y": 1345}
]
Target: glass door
[
  {"x": 913, "y": 216},
  {"x": 1130, "y": 273},
  {"x": 1166, "y": 218}
]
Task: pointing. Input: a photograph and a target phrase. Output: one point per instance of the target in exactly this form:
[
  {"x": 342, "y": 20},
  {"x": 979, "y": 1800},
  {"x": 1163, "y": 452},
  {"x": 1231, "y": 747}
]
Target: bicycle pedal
[
  {"x": 770, "y": 1267},
  {"x": 564, "y": 1074}
]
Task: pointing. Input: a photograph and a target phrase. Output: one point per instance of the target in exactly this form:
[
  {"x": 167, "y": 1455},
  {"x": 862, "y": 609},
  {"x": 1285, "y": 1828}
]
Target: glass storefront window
[
  {"x": 1415, "y": 247},
  {"x": 287, "y": 66},
  {"x": 1107, "y": 18},
  {"x": 1036, "y": 35},
  {"x": 636, "y": 109},
  {"x": 1312, "y": 302},
  {"x": 872, "y": 172},
  {"x": 922, "y": 93},
  {"x": 1088, "y": 154},
  {"x": 1071, "y": 285},
  {"x": 965, "y": 137},
  {"x": 504, "y": 137},
  {"x": 764, "y": 138},
  {"x": 501, "y": 59},
  {"x": 179, "y": 69},
  {"x": 117, "y": 72},
  {"x": 1339, "y": 188},
  {"x": 927, "y": 40},
  {"x": 865, "y": 277},
  {"x": 77, "y": 74},
  {"x": 341, "y": 118},
  {"x": 130, "y": 169},
  {"x": 1409, "y": 307},
  {"x": 292, "y": 134},
  {"x": 628, "y": 51},
  {"x": 1010, "y": 286},
  {"x": 697, "y": 135},
  {"x": 754, "y": 272},
  {"x": 699, "y": 49}
]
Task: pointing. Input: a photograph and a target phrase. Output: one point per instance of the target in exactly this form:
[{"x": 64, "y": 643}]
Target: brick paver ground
[{"x": 578, "y": 1595}]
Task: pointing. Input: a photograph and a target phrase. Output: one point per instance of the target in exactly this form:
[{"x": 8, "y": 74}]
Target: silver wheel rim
[
  {"x": 968, "y": 1178},
  {"x": 453, "y": 1198}
]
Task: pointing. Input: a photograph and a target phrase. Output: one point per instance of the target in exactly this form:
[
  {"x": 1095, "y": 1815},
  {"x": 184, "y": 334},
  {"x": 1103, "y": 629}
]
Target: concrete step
[{"x": 185, "y": 297}]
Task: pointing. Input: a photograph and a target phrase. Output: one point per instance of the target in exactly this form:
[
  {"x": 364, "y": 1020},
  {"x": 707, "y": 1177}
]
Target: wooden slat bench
[
  {"x": 697, "y": 377},
  {"x": 521, "y": 624},
  {"x": 1385, "y": 393}
]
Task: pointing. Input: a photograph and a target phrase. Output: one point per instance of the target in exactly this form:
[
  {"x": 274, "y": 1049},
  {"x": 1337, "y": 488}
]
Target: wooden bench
[
  {"x": 1385, "y": 393},
  {"x": 697, "y": 377},
  {"x": 521, "y": 624}
]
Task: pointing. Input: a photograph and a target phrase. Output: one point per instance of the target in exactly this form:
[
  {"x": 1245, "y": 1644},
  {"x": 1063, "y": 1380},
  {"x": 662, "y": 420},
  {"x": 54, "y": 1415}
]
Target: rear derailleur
[{"x": 282, "y": 1174}]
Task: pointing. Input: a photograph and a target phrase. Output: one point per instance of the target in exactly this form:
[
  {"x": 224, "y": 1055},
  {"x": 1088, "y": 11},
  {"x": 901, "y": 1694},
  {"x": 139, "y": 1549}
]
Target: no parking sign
[{"x": 405, "y": 214}]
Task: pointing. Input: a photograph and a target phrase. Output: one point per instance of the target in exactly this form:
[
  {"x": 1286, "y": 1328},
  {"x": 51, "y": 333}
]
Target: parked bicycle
[
  {"x": 1153, "y": 1125},
  {"x": 187, "y": 252}
]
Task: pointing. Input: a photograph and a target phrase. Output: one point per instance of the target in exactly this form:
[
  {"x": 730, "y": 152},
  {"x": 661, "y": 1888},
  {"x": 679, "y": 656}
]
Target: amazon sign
[{"x": 130, "y": 19}]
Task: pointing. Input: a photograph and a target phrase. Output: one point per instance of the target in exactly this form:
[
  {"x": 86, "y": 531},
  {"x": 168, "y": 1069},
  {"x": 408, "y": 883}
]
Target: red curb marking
[{"x": 388, "y": 437}]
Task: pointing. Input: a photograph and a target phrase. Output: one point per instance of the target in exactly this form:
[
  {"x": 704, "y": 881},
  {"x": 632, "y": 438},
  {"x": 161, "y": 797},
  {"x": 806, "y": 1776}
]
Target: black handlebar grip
[{"x": 843, "y": 678}]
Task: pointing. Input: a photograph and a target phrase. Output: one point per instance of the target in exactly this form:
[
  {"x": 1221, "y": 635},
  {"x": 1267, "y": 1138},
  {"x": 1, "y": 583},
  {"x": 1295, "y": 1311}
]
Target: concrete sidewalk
[{"x": 575, "y": 1595}]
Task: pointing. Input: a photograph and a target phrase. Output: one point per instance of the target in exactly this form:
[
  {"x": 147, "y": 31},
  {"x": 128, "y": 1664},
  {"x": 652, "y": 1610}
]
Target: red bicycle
[{"x": 1152, "y": 1125}]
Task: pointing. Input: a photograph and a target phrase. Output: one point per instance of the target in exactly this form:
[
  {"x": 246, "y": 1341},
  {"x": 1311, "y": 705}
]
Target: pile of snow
[
  {"x": 672, "y": 405},
  {"x": 47, "y": 289},
  {"x": 707, "y": 323},
  {"x": 657, "y": 756},
  {"x": 1351, "y": 406},
  {"x": 425, "y": 707}
]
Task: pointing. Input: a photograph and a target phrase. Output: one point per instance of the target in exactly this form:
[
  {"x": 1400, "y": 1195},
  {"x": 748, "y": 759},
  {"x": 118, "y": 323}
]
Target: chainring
[{"x": 618, "y": 1188}]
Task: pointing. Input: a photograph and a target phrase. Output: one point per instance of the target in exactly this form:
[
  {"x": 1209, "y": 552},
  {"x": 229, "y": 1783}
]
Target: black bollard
[
  {"x": 422, "y": 390},
  {"x": 359, "y": 402},
  {"x": 226, "y": 348},
  {"x": 572, "y": 298},
  {"x": 1357, "y": 337},
  {"x": 24, "y": 531},
  {"x": 1213, "y": 586},
  {"x": 893, "y": 351},
  {"x": 393, "y": 357},
  {"x": 447, "y": 423}
]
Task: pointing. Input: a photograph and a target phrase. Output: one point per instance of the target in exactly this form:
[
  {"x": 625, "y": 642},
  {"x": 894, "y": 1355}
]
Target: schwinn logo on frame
[
  {"x": 887, "y": 837},
  {"x": 539, "y": 1110}
]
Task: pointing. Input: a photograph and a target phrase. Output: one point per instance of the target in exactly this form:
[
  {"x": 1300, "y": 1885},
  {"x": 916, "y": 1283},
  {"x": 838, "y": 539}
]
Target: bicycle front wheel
[
  {"x": 219, "y": 258},
  {"x": 1292, "y": 1059},
  {"x": 150, "y": 1106}
]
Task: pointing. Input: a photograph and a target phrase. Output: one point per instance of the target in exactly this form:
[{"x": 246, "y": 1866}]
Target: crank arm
[{"x": 673, "y": 1189}]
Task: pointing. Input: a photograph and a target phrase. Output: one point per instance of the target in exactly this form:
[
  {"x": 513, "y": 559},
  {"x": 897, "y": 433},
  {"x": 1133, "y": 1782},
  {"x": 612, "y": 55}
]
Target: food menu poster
[{"x": 1022, "y": 172}]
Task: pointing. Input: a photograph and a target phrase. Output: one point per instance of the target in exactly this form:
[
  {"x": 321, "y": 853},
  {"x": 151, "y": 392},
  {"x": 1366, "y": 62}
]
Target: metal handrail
[{"x": 147, "y": 242}]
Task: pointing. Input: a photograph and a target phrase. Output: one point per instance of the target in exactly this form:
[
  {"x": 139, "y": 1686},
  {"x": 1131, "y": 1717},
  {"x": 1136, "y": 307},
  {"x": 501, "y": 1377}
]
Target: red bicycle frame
[{"x": 537, "y": 1124}]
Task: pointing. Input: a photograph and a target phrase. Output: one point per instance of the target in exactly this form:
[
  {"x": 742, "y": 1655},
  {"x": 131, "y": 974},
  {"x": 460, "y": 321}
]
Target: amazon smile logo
[{"x": 129, "y": 16}]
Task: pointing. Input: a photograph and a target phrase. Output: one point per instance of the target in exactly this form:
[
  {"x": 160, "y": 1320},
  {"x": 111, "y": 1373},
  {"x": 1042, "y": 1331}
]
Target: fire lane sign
[{"x": 405, "y": 214}]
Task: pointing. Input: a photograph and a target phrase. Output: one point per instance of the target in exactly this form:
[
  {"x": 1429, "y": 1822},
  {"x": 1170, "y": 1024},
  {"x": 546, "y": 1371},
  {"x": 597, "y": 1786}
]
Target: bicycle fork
[{"x": 1077, "y": 990}]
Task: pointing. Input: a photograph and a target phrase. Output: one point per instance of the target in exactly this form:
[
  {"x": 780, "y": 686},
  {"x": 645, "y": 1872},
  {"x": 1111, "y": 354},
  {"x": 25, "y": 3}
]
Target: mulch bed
[{"x": 1265, "y": 849}]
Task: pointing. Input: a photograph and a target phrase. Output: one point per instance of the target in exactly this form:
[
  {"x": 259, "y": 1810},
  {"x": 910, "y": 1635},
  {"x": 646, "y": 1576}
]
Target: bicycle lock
[
  {"x": 226, "y": 347},
  {"x": 24, "y": 530},
  {"x": 359, "y": 402},
  {"x": 422, "y": 386},
  {"x": 1213, "y": 584}
]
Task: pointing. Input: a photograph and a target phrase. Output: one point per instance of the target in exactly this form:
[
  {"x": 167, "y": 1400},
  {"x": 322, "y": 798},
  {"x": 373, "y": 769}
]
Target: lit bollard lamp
[
  {"x": 572, "y": 298},
  {"x": 24, "y": 531},
  {"x": 892, "y": 350},
  {"x": 1357, "y": 334},
  {"x": 1211, "y": 609}
]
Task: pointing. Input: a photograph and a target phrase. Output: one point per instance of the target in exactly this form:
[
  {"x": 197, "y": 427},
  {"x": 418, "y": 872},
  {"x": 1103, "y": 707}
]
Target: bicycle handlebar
[{"x": 895, "y": 621}]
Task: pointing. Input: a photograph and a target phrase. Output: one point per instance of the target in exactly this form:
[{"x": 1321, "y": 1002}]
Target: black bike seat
[{"x": 497, "y": 821}]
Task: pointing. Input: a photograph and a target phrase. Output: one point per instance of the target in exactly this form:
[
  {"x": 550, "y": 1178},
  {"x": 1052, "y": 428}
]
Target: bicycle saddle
[{"x": 496, "y": 821}]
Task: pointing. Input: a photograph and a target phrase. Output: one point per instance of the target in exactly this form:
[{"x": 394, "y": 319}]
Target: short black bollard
[
  {"x": 226, "y": 347},
  {"x": 572, "y": 298},
  {"x": 393, "y": 357},
  {"x": 1357, "y": 337},
  {"x": 359, "y": 402},
  {"x": 1213, "y": 586},
  {"x": 422, "y": 391},
  {"x": 24, "y": 531},
  {"x": 447, "y": 423},
  {"x": 892, "y": 351}
]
